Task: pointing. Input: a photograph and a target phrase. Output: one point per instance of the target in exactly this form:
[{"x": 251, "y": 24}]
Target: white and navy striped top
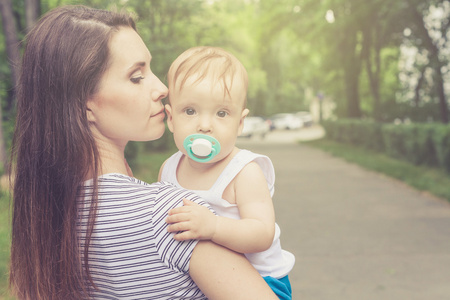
[{"x": 132, "y": 256}]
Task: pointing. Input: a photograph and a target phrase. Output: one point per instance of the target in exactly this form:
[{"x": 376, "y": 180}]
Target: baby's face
[{"x": 204, "y": 108}]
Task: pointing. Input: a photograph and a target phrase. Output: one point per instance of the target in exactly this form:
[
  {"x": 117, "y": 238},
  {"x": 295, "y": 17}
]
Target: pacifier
[{"x": 201, "y": 147}]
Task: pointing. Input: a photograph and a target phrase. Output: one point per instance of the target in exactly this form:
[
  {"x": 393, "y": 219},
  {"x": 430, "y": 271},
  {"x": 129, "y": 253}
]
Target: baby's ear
[
  {"x": 241, "y": 122},
  {"x": 169, "y": 117}
]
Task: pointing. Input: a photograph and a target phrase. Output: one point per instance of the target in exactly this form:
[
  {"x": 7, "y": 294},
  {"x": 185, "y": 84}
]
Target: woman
[{"x": 82, "y": 228}]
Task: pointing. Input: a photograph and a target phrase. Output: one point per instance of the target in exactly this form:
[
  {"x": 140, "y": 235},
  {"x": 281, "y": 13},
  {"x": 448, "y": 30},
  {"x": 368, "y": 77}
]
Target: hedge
[{"x": 419, "y": 143}]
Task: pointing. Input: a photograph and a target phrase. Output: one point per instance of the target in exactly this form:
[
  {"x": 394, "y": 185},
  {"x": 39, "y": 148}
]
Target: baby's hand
[{"x": 192, "y": 222}]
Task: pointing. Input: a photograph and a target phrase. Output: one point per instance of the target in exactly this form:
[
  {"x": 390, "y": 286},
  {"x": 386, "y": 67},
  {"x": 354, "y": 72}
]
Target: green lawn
[
  {"x": 5, "y": 238},
  {"x": 423, "y": 178}
]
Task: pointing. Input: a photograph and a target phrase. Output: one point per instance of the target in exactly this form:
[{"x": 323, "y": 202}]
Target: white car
[
  {"x": 286, "y": 121},
  {"x": 306, "y": 117},
  {"x": 254, "y": 126}
]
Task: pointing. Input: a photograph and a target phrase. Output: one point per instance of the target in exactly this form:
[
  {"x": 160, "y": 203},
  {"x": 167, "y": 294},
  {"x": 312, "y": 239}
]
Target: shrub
[
  {"x": 441, "y": 141},
  {"x": 393, "y": 141},
  {"x": 359, "y": 133},
  {"x": 421, "y": 143}
]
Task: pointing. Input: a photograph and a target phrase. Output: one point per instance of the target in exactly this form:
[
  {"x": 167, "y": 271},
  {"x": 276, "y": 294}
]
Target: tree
[
  {"x": 434, "y": 47},
  {"x": 13, "y": 50},
  {"x": 380, "y": 30},
  {"x": 32, "y": 12},
  {"x": 11, "y": 39},
  {"x": 333, "y": 28},
  {"x": 13, "y": 55}
]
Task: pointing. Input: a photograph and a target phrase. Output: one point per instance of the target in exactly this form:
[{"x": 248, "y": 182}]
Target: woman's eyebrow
[{"x": 137, "y": 65}]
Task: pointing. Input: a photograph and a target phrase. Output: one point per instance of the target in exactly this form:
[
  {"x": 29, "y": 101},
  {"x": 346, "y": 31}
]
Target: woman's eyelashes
[{"x": 137, "y": 79}]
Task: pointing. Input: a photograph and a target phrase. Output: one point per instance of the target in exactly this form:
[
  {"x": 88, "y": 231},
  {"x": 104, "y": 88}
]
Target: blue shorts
[{"x": 281, "y": 287}]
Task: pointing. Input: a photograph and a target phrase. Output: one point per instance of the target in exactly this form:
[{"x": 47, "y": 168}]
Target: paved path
[{"x": 356, "y": 235}]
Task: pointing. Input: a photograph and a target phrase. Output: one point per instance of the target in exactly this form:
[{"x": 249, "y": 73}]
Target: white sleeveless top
[{"x": 274, "y": 262}]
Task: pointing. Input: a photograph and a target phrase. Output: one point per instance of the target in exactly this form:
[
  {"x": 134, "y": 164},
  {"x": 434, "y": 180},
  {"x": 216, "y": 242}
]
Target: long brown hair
[{"x": 54, "y": 151}]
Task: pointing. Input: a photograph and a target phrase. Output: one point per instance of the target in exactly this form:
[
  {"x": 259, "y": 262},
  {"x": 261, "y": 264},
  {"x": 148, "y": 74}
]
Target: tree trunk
[
  {"x": 352, "y": 91},
  {"x": 418, "y": 87},
  {"x": 441, "y": 94},
  {"x": 352, "y": 70},
  {"x": 13, "y": 55},
  {"x": 11, "y": 40},
  {"x": 32, "y": 12},
  {"x": 3, "y": 153}
]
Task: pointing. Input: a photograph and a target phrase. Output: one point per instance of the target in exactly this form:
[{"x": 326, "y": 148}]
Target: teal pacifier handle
[{"x": 201, "y": 147}]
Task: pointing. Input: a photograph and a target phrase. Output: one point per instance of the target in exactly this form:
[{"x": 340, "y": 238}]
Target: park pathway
[{"x": 356, "y": 234}]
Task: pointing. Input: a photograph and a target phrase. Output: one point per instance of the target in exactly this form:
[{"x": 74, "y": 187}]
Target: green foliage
[
  {"x": 149, "y": 163},
  {"x": 394, "y": 141},
  {"x": 441, "y": 140},
  {"x": 134, "y": 150},
  {"x": 412, "y": 142},
  {"x": 291, "y": 51},
  {"x": 420, "y": 144},
  {"x": 356, "y": 132}
]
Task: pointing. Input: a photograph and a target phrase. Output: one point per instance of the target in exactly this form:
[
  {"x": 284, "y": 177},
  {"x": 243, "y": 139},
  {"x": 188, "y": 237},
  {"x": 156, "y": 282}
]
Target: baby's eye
[
  {"x": 189, "y": 111},
  {"x": 222, "y": 114},
  {"x": 136, "y": 79}
]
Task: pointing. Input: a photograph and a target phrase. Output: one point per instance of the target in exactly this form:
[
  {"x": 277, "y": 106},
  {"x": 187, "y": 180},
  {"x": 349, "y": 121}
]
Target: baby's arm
[
  {"x": 255, "y": 231},
  {"x": 252, "y": 233}
]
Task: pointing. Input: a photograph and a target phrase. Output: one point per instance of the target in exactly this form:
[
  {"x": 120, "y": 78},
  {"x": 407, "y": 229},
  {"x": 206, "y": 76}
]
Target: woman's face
[{"x": 127, "y": 106}]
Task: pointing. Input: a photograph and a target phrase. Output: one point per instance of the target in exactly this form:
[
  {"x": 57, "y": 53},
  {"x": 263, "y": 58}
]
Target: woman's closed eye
[{"x": 137, "y": 79}]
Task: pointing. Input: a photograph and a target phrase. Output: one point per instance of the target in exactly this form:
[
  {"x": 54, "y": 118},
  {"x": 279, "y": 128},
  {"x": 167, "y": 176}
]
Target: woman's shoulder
[
  {"x": 161, "y": 192},
  {"x": 122, "y": 181}
]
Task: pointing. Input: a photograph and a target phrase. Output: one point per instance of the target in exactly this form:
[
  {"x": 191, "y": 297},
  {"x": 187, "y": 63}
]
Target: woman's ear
[
  {"x": 90, "y": 105},
  {"x": 169, "y": 117},
  {"x": 89, "y": 113},
  {"x": 241, "y": 122}
]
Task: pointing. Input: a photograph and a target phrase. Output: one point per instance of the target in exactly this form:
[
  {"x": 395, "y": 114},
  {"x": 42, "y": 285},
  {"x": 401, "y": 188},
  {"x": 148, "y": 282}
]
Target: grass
[
  {"x": 5, "y": 243},
  {"x": 423, "y": 178},
  {"x": 147, "y": 165}
]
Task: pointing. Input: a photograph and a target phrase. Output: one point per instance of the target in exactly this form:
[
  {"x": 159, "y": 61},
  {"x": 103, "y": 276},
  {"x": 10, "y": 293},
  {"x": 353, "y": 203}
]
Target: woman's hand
[{"x": 192, "y": 222}]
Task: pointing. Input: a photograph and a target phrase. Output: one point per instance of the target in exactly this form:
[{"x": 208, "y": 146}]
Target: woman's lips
[{"x": 159, "y": 113}]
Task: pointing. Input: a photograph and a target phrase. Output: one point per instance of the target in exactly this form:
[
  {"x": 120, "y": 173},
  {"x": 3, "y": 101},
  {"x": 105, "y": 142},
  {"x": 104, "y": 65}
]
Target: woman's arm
[{"x": 223, "y": 274}]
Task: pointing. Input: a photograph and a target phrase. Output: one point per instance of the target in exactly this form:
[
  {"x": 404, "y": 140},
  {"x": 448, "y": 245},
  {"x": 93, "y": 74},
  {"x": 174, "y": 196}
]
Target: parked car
[
  {"x": 306, "y": 117},
  {"x": 255, "y": 126},
  {"x": 286, "y": 121}
]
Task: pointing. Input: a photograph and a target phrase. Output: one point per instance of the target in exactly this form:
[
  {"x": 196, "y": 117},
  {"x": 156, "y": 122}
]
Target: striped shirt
[{"x": 131, "y": 255}]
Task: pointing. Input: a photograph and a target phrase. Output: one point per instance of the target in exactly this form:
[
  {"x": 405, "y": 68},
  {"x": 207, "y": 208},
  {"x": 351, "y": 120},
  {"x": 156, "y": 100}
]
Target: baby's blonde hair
[{"x": 212, "y": 62}]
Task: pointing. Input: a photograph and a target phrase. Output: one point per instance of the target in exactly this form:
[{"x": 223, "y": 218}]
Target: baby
[{"x": 206, "y": 112}]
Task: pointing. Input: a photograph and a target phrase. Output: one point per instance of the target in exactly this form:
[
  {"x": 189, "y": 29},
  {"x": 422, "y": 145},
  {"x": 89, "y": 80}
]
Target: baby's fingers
[
  {"x": 178, "y": 210},
  {"x": 184, "y": 236},
  {"x": 176, "y": 218},
  {"x": 182, "y": 226}
]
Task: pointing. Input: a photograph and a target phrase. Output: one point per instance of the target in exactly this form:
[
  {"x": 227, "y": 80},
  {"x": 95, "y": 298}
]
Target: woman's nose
[{"x": 159, "y": 91}]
